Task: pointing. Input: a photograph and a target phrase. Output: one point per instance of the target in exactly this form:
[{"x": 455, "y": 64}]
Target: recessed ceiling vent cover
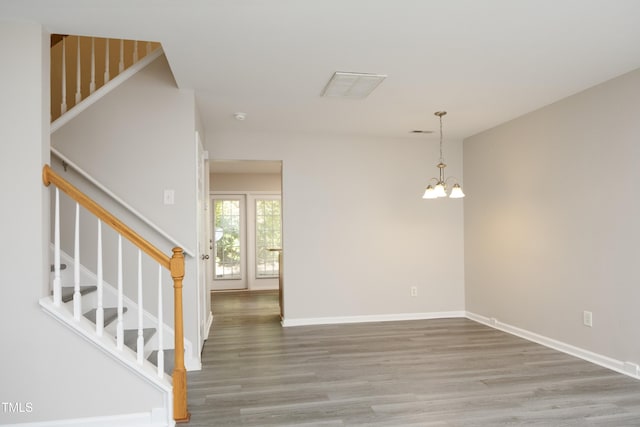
[{"x": 352, "y": 85}]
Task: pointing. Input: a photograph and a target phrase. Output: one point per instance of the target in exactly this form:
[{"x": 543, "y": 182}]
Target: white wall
[
  {"x": 551, "y": 220},
  {"x": 138, "y": 141},
  {"x": 245, "y": 182},
  {"x": 41, "y": 362},
  {"x": 357, "y": 234}
]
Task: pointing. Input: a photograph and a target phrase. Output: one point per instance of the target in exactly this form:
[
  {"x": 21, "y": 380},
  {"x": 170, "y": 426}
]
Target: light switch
[{"x": 169, "y": 197}]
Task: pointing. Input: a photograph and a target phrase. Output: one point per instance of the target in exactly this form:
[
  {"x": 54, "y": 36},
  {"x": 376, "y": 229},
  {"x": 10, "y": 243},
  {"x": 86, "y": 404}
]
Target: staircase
[
  {"x": 128, "y": 326},
  {"x": 102, "y": 314},
  {"x": 150, "y": 328}
]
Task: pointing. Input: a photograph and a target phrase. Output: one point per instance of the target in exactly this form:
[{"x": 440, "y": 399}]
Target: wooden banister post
[{"x": 180, "y": 412}]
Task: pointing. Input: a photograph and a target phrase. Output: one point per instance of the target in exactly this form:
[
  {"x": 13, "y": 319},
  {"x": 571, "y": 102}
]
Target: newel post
[{"x": 180, "y": 413}]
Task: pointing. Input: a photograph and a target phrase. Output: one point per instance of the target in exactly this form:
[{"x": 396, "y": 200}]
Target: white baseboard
[
  {"x": 371, "y": 318},
  {"x": 209, "y": 323},
  {"x": 192, "y": 363},
  {"x": 626, "y": 368},
  {"x": 155, "y": 418}
]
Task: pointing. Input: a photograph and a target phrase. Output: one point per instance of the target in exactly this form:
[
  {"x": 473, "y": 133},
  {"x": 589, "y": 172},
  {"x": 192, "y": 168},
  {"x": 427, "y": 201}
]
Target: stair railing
[
  {"x": 174, "y": 264},
  {"x": 81, "y": 65}
]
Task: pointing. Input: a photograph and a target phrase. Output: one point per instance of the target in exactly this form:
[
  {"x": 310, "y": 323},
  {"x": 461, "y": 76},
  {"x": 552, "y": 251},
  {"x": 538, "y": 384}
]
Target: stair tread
[
  {"x": 169, "y": 359},
  {"x": 131, "y": 337},
  {"x": 62, "y": 267},
  {"x": 110, "y": 314},
  {"x": 67, "y": 292}
]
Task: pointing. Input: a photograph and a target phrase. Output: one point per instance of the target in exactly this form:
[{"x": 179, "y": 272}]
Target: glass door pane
[
  {"x": 228, "y": 250},
  {"x": 268, "y": 236}
]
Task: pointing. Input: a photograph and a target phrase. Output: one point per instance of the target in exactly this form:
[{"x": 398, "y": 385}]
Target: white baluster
[
  {"x": 92, "y": 84},
  {"x": 63, "y": 106},
  {"x": 100, "y": 308},
  {"x": 148, "y": 48},
  {"x": 135, "y": 51},
  {"x": 121, "y": 63},
  {"x": 140, "y": 346},
  {"x": 77, "y": 302},
  {"x": 160, "y": 326},
  {"x": 120, "y": 326},
  {"x": 57, "y": 290},
  {"x": 106, "y": 62},
  {"x": 78, "y": 76}
]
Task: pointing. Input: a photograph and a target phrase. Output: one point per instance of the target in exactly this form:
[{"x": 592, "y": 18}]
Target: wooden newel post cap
[{"x": 178, "y": 252}]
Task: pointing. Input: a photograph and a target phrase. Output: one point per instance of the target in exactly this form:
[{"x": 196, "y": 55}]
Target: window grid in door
[
  {"x": 227, "y": 245},
  {"x": 268, "y": 236}
]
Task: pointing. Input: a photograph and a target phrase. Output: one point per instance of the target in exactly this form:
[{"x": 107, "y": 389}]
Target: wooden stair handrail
[
  {"x": 49, "y": 176},
  {"x": 57, "y": 38},
  {"x": 175, "y": 265}
]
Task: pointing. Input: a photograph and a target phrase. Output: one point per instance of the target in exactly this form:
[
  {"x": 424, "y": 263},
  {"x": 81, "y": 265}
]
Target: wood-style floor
[{"x": 448, "y": 372}]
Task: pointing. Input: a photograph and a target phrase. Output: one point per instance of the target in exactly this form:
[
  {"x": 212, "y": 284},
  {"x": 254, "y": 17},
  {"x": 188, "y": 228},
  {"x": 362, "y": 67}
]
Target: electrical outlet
[
  {"x": 587, "y": 318},
  {"x": 414, "y": 291}
]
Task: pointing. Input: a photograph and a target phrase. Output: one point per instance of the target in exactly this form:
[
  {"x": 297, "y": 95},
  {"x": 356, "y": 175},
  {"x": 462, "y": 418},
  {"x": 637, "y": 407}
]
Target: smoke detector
[{"x": 240, "y": 116}]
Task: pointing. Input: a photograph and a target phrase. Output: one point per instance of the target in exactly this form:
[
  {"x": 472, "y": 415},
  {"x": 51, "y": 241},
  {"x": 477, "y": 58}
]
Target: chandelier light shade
[{"x": 440, "y": 188}]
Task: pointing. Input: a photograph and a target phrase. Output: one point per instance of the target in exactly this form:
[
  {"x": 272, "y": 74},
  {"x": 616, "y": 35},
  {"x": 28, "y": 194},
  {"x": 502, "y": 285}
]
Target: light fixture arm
[{"x": 456, "y": 180}]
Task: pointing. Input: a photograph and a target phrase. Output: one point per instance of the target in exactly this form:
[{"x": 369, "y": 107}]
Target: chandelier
[{"x": 440, "y": 188}]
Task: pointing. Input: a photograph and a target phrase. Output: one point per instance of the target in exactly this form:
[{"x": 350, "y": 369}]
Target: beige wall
[
  {"x": 357, "y": 234},
  {"x": 245, "y": 182},
  {"x": 551, "y": 220}
]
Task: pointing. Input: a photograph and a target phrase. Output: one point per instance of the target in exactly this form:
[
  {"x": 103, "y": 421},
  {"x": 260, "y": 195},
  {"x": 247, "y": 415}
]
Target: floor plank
[{"x": 443, "y": 372}]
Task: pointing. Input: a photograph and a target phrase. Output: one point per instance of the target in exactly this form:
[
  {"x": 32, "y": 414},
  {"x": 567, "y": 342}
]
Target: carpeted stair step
[
  {"x": 110, "y": 314},
  {"x": 131, "y": 337},
  {"x": 169, "y": 358},
  {"x": 67, "y": 292}
]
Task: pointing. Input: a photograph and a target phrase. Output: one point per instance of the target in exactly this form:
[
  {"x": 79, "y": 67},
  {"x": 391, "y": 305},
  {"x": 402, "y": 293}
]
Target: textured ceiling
[{"x": 485, "y": 62}]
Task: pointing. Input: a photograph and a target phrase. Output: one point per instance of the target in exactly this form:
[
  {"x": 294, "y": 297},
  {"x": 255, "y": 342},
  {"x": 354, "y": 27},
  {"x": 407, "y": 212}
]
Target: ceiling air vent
[{"x": 352, "y": 85}]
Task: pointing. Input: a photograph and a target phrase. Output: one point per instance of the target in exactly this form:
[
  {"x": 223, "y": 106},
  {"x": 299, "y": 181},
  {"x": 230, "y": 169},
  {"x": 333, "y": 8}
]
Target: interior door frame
[{"x": 204, "y": 252}]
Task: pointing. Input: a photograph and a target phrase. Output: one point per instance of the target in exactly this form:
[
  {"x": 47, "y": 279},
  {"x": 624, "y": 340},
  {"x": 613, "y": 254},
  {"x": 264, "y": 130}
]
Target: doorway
[{"x": 246, "y": 220}]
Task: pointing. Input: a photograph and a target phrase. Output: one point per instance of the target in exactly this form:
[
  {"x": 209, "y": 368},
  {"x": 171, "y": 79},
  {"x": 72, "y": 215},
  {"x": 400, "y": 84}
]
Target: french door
[
  {"x": 265, "y": 235},
  {"x": 229, "y": 249},
  {"x": 246, "y": 229}
]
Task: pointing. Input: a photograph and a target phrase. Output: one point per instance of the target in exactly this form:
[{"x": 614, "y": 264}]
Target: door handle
[{"x": 205, "y": 257}]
